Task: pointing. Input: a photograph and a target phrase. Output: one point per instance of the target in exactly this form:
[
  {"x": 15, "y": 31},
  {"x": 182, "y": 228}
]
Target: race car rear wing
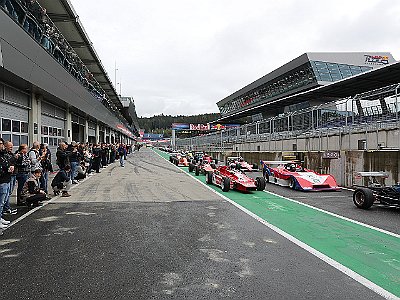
[
  {"x": 372, "y": 174},
  {"x": 277, "y": 162}
]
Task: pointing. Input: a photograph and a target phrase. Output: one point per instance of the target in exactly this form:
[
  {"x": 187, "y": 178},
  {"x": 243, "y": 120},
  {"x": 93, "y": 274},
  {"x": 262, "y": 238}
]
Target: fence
[{"x": 345, "y": 116}]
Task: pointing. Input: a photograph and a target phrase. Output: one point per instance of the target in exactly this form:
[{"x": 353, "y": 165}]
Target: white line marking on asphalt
[
  {"x": 337, "y": 216},
  {"x": 43, "y": 205},
  {"x": 357, "y": 277}
]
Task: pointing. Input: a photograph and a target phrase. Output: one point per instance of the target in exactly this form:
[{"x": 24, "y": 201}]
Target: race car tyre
[
  {"x": 238, "y": 166},
  {"x": 176, "y": 162},
  {"x": 260, "y": 183},
  {"x": 255, "y": 166},
  {"x": 209, "y": 177},
  {"x": 216, "y": 161},
  {"x": 191, "y": 167},
  {"x": 292, "y": 183},
  {"x": 197, "y": 170},
  {"x": 170, "y": 159},
  {"x": 226, "y": 184},
  {"x": 213, "y": 166},
  {"x": 363, "y": 198}
]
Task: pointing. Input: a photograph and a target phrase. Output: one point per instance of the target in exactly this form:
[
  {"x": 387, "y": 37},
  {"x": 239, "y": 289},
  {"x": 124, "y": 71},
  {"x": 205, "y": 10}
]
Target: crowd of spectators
[
  {"x": 33, "y": 18},
  {"x": 28, "y": 169}
]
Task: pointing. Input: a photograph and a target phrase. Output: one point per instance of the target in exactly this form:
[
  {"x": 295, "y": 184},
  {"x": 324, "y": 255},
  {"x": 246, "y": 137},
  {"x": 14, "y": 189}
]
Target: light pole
[{"x": 115, "y": 75}]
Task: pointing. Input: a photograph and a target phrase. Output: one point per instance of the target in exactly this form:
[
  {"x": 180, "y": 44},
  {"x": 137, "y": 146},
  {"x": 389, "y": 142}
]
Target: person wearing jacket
[
  {"x": 74, "y": 159},
  {"x": 35, "y": 157},
  {"x": 31, "y": 192},
  {"x": 5, "y": 177},
  {"x": 22, "y": 166},
  {"x": 62, "y": 155},
  {"x": 122, "y": 154},
  {"x": 62, "y": 182}
]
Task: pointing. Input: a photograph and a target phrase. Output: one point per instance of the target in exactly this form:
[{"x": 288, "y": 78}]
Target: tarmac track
[{"x": 148, "y": 231}]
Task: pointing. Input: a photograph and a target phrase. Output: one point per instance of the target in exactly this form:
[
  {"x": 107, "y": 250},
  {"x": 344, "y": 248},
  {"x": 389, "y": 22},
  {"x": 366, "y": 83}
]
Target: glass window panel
[
  {"x": 334, "y": 71},
  {"x": 16, "y": 126},
  {"x": 364, "y": 69},
  {"x": 45, "y": 130},
  {"x": 54, "y": 131},
  {"x": 6, "y": 125},
  {"x": 59, "y": 132},
  {"x": 6, "y": 137},
  {"x": 50, "y": 141},
  {"x": 336, "y": 77},
  {"x": 24, "y": 139},
  {"x": 24, "y": 127},
  {"x": 332, "y": 66},
  {"x": 45, "y": 140},
  {"x": 355, "y": 68},
  {"x": 15, "y": 140},
  {"x": 326, "y": 78},
  {"x": 343, "y": 67}
]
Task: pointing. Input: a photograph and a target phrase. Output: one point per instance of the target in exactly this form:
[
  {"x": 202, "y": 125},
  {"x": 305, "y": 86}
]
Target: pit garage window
[{"x": 15, "y": 131}]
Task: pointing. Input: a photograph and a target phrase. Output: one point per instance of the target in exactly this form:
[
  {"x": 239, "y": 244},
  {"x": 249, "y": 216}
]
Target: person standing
[
  {"x": 35, "y": 157},
  {"x": 7, "y": 210},
  {"x": 96, "y": 157},
  {"x": 62, "y": 155},
  {"x": 44, "y": 152},
  {"x": 121, "y": 153},
  {"x": 5, "y": 177},
  {"x": 74, "y": 159},
  {"x": 22, "y": 165}
]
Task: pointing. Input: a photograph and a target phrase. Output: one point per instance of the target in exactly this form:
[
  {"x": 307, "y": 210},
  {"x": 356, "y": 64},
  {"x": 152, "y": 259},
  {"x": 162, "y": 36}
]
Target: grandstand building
[
  {"x": 292, "y": 86},
  {"x": 53, "y": 86}
]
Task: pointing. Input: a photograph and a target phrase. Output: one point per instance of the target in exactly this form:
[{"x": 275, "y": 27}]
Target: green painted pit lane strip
[{"x": 368, "y": 252}]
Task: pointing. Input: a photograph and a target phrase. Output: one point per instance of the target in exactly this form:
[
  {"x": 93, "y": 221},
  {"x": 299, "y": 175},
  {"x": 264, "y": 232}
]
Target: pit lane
[
  {"x": 341, "y": 203},
  {"x": 363, "y": 248}
]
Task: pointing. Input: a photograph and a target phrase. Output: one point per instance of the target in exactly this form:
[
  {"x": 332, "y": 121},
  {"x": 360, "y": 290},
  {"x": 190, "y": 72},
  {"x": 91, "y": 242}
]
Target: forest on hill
[{"x": 162, "y": 123}]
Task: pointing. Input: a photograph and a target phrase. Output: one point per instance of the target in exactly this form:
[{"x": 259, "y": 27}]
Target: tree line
[{"x": 162, "y": 123}]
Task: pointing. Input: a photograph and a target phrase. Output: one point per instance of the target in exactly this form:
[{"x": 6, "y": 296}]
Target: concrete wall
[{"x": 311, "y": 151}]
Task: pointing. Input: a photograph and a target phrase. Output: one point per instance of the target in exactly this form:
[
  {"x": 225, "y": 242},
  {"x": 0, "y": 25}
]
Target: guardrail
[{"x": 333, "y": 118}]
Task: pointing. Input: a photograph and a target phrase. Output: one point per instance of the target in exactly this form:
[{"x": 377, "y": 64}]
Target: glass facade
[
  {"x": 302, "y": 76},
  {"x": 297, "y": 78},
  {"x": 326, "y": 71}
]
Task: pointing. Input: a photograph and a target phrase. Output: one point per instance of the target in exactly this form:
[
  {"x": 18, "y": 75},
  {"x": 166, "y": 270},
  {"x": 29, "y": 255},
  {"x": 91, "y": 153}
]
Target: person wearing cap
[{"x": 31, "y": 192}]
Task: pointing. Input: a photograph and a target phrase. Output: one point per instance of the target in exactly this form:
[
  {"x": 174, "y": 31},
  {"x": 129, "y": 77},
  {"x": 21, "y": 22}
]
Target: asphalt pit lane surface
[{"x": 215, "y": 255}]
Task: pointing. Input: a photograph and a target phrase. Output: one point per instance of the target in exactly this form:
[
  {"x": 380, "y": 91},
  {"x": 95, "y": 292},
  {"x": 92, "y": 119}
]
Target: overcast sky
[{"x": 181, "y": 57}]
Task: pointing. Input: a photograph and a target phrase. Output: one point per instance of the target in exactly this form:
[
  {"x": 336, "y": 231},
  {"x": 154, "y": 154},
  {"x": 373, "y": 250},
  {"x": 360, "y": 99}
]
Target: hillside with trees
[{"x": 162, "y": 123}]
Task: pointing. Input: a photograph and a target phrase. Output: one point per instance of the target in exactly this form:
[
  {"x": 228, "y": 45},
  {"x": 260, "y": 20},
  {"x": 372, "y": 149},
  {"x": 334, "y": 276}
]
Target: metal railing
[
  {"x": 339, "y": 117},
  {"x": 45, "y": 33}
]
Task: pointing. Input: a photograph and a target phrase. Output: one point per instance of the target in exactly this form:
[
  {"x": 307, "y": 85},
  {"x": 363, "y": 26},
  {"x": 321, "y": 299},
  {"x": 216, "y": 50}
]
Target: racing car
[
  {"x": 202, "y": 167},
  {"x": 239, "y": 163},
  {"x": 295, "y": 176},
  {"x": 179, "y": 159},
  {"x": 375, "y": 191},
  {"x": 229, "y": 179}
]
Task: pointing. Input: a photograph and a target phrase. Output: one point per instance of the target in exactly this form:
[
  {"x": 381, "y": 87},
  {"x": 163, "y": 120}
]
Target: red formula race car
[
  {"x": 202, "y": 167},
  {"x": 229, "y": 179},
  {"x": 293, "y": 175},
  {"x": 239, "y": 163},
  {"x": 179, "y": 160}
]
